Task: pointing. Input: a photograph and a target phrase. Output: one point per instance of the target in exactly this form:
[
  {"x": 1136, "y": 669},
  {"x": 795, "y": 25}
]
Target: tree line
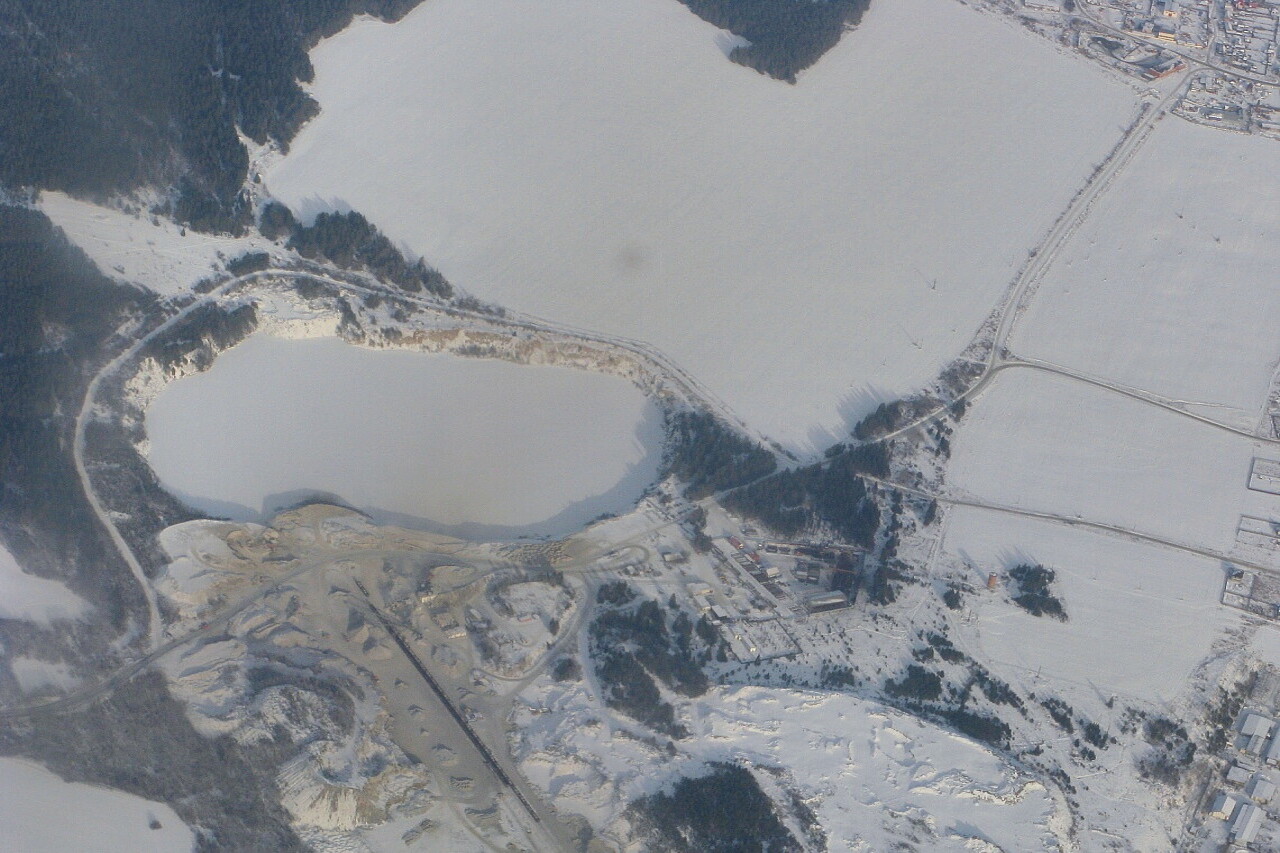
[
  {"x": 102, "y": 97},
  {"x": 350, "y": 241},
  {"x": 786, "y": 36}
]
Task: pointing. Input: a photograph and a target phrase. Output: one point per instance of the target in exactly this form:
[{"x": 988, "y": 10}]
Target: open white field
[
  {"x": 805, "y": 250},
  {"x": 31, "y": 597},
  {"x": 40, "y": 813},
  {"x": 405, "y": 435},
  {"x": 1046, "y": 443},
  {"x": 157, "y": 254},
  {"x": 1121, "y": 599},
  {"x": 1170, "y": 286}
]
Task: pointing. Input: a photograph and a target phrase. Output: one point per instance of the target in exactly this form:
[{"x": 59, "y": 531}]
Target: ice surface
[
  {"x": 804, "y": 250},
  {"x": 36, "y": 599},
  {"x": 40, "y": 813},
  {"x": 448, "y": 440}
]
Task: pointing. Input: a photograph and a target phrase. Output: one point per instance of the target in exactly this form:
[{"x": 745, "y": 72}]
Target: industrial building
[{"x": 824, "y": 601}]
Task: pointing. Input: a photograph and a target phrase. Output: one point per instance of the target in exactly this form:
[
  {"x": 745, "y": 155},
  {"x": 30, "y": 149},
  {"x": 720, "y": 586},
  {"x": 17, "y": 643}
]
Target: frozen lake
[
  {"x": 807, "y": 251},
  {"x": 478, "y": 448},
  {"x": 41, "y": 813}
]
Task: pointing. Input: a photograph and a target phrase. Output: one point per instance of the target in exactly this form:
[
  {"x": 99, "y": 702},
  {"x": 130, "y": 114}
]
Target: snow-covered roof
[
  {"x": 1248, "y": 821},
  {"x": 1273, "y": 751},
  {"x": 1261, "y": 789},
  {"x": 1223, "y": 806},
  {"x": 1256, "y": 724}
]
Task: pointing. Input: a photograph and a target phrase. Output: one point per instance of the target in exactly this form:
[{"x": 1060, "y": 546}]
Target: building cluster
[
  {"x": 1250, "y": 36},
  {"x": 1178, "y": 22},
  {"x": 1248, "y": 789}
]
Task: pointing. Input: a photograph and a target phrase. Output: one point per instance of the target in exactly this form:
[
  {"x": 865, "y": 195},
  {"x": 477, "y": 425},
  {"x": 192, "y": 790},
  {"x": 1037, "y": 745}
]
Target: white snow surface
[
  {"x": 1170, "y": 285},
  {"x": 1047, "y": 443},
  {"x": 405, "y": 435},
  {"x": 33, "y": 598},
  {"x": 1120, "y": 597},
  {"x": 807, "y": 251},
  {"x": 863, "y": 768},
  {"x": 41, "y": 813},
  {"x": 34, "y": 674},
  {"x": 139, "y": 249}
]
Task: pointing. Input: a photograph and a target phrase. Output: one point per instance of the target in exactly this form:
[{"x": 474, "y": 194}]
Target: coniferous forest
[{"x": 100, "y": 96}]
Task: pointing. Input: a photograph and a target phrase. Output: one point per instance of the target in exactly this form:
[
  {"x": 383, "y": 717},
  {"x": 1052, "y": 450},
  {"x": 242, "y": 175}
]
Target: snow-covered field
[
  {"x": 448, "y": 440},
  {"x": 140, "y": 249},
  {"x": 40, "y": 813},
  {"x": 805, "y": 250},
  {"x": 1121, "y": 599},
  {"x": 1052, "y": 444},
  {"x": 36, "y": 599},
  {"x": 874, "y": 776},
  {"x": 1170, "y": 286}
]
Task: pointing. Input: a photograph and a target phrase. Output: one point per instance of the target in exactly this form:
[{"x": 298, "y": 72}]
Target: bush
[
  {"x": 917, "y": 684},
  {"x": 566, "y": 669},
  {"x": 1032, "y": 593},
  {"x": 249, "y": 262}
]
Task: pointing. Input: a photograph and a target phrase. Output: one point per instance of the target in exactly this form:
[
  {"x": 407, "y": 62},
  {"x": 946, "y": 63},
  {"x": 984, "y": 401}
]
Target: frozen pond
[{"x": 475, "y": 447}]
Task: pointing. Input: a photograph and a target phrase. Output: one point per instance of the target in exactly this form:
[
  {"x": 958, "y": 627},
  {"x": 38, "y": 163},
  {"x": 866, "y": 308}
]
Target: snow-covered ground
[
  {"x": 41, "y": 813},
  {"x": 36, "y": 599},
  {"x": 805, "y": 250},
  {"x": 874, "y": 776},
  {"x": 1170, "y": 286},
  {"x": 1120, "y": 597},
  {"x": 448, "y": 440},
  {"x": 1051, "y": 444},
  {"x": 34, "y": 674},
  {"x": 141, "y": 249}
]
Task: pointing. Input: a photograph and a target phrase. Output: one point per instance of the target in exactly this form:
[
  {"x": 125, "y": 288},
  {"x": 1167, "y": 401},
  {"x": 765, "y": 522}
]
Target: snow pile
[
  {"x": 33, "y": 598},
  {"x": 875, "y": 777},
  {"x": 40, "y": 813},
  {"x": 139, "y": 248},
  {"x": 805, "y": 250}
]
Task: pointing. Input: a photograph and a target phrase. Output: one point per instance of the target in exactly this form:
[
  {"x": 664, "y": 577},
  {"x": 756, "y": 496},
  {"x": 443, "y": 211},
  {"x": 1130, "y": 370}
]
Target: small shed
[{"x": 1224, "y": 806}]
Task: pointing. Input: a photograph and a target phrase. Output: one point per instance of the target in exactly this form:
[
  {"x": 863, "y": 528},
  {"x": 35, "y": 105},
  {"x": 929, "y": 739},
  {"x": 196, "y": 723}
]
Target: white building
[
  {"x": 1261, "y": 789},
  {"x": 698, "y": 588},
  {"x": 1248, "y": 821},
  {"x": 1273, "y": 751},
  {"x": 1256, "y": 729},
  {"x": 1238, "y": 775},
  {"x": 1224, "y": 806}
]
